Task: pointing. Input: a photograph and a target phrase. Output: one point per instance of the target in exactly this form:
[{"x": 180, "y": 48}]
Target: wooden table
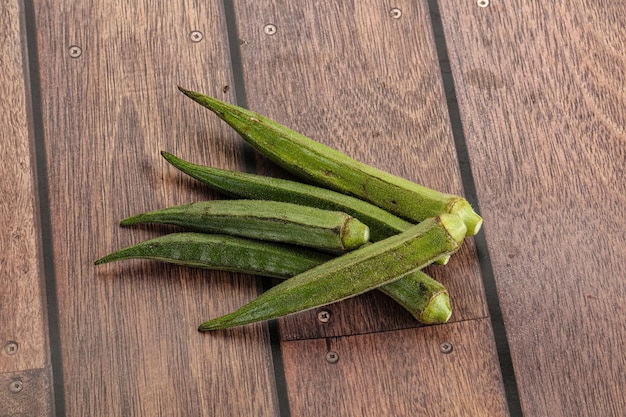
[{"x": 519, "y": 106}]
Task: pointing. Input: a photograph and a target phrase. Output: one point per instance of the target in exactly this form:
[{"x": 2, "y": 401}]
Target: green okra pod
[
  {"x": 382, "y": 224},
  {"x": 223, "y": 252},
  {"x": 422, "y": 296},
  {"x": 268, "y": 220},
  {"x": 321, "y": 164},
  {"x": 351, "y": 274}
]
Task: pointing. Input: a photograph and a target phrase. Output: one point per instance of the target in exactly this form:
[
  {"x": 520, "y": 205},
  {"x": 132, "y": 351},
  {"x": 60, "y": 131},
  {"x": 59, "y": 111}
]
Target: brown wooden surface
[
  {"x": 130, "y": 343},
  {"x": 397, "y": 373},
  {"x": 541, "y": 92},
  {"x": 23, "y": 329},
  {"x": 321, "y": 74},
  {"x": 541, "y": 98}
]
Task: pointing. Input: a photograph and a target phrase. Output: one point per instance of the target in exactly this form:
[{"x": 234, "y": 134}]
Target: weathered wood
[
  {"x": 397, "y": 373},
  {"x": 23, "y": 329},
  {"x": 24, "y": 393},
  {"x": 541, "y": 92},
  {"x": 110, "y": 104},
  {"x": 355, "y": 77}
]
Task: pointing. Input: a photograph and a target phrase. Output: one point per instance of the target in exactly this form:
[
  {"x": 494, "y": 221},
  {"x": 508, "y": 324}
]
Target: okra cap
[
  {"x": 438, "y": 309},
  {"x": 354, "y": 234},
  {"x": 472, "y": 220},
  {"x": 454, "y": 225}
]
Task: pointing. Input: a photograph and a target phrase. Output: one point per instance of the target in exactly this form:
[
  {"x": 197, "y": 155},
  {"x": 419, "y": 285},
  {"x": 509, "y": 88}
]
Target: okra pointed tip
[
  {"x": 199, "y": 98},
  {"x": 183, "y": 90},
  {"x": 438, "y": 309},
  {"x": 210, "y": 325},
  {"x": 171, "y": 158},
  {"x": 129, "y": 221}
]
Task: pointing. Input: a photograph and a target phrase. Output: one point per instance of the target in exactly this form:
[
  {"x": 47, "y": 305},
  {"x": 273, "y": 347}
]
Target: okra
[
  {"x": 268, "y": 220},
  {"x": 353, "y": 273},
  {"x": 382, "y": 224},
  {"x": 223, "y": 252},
  {"x": 324, "y": 165},
  {"x": 422, "y": 296}
]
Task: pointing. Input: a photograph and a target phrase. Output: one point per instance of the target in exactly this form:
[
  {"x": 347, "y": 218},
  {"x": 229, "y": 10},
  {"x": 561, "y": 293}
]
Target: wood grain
[
  {"x": 352, "y": 76},
  {"x": 397, "y": 373},
  {"x": 24, "y": 393},
  {"x": 129, "y": 339},
  {"x": 541, "y": 93},
  {"x": 23, "y": 330}
]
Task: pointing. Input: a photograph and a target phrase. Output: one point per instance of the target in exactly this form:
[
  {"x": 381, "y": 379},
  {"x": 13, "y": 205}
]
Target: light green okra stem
[
  {"x": 327, "y": 166},
  {"x": 266, "y": 220},
  {"x": 351, "y": 274},
  {"x": 417, "y": 292}
]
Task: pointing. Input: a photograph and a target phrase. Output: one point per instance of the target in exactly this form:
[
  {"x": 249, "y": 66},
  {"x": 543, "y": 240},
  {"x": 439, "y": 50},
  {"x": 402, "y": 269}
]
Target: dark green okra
[
  {"x": 353, "y": 273},
  {"x": 267, "y": 220},
  {"x": 223, "y": 252},
  {"x": 321, "y": 164},
  {"x": 382, "y": 224},
  {"x": 425, "y": 298}
]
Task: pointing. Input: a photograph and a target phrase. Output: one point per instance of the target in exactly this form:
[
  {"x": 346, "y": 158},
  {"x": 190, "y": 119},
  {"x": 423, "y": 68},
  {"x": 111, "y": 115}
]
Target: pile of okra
[{"x": 346, "y": 229}]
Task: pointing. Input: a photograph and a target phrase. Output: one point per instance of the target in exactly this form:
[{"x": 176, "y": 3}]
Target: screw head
[
  {"x": 445, "y": 347},
  {"x": 332, "y": 357},
  {"x": 395, "y": 13},
  {"x": 74, "y": 51},
  {"x": 11, "y": 348},
  {"x": 323, "y": 316},
  {"x": 16, "y": 386},
  {"x": 270, "y": 29},
  {"x": 196, "y": 36},
  {"x": 483, "y": 3}
]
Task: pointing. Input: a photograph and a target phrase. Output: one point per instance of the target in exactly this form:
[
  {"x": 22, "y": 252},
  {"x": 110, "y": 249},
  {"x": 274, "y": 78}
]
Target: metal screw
[
  {"x": 445, "y": 347},
  {"x": 323, "y": 316},
  {"x": 196, "y": 36},
  {"x": 395, "y": 13},
  {"x": 16, "y": 386},
  {"x": 11, "y": 348},
  {"x": 483, "y": 3},
  {"x": 75, "y": 51},
  {"x": 332, "y": 357},
  {"x": 270, "y": 29}
]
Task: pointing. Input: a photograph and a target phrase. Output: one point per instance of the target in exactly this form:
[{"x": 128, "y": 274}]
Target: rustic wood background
[{"x": 520, "y": 106}]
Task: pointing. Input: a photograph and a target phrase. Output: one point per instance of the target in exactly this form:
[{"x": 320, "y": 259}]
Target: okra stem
[
  {"x": 267, "y": 220},
  {"x": 351, "y": 274},
  {"x": 327, "y": 166}
]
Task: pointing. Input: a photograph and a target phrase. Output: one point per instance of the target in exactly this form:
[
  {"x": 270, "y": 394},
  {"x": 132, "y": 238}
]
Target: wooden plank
[
  {"x": 397, "y": 373},
  {"x": 21, "y": 393},
  {"x": 109, "y": 101},
  {"x": 23, "y": 330},
  {"x": 353, "y": 76},
  {"x": 24, "y": 369},
  {"x": 541, "y": 93}
]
